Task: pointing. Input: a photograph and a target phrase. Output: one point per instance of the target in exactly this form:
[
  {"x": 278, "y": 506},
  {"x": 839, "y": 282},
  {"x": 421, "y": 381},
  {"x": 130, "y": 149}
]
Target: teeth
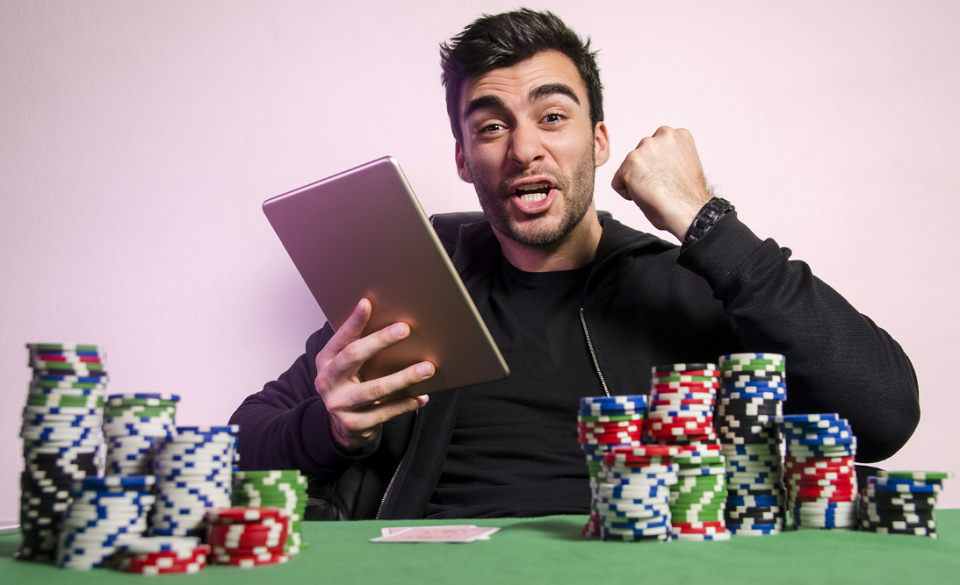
[
  {"x": 533, "y": 187},
  {"x": 532, "y": 197}
]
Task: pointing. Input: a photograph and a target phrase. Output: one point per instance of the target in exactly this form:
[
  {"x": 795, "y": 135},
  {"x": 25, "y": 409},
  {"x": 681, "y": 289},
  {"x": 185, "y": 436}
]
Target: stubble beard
[{"x": 577, "y": 193}]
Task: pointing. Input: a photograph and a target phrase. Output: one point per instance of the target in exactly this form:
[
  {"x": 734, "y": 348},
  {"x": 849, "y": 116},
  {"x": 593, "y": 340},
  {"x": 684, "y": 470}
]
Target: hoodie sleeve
[
  {"x": 838, "y": 360},
  {"x": 286, "y": 425}
]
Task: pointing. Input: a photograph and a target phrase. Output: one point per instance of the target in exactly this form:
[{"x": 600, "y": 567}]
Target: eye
[
  {"x": 553, "y": 118},
  {"x": 491, "y": 128}
]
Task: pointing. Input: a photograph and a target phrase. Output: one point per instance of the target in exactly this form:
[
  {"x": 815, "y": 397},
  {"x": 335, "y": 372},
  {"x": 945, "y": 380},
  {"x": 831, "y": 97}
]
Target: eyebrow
[{"x": 536, "y": 94}]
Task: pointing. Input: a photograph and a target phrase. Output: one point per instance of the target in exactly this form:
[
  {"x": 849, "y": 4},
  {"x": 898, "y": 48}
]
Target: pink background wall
[{"x": 138, "y": 140}]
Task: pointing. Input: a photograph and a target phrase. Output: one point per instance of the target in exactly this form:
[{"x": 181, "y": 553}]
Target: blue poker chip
[
  {"x": 819, "y": 442},
  {"x": 764, "y": 500},
  {"x": 900, "y": 488},
  {"x": 635, "y": 398},
  {"x": 609, "y": 522},
  {"x": 754, "y": 385},
  {"x": 809, "y": 418},
  {"x": 145, "y": 396},
  {"x": 905, "y": 481},
  {"x": 136, "y": 481},
  {"x": 54, "y": 377},
  {"x": 759, "y": 527},
  {"x": 210, "y": 430}
]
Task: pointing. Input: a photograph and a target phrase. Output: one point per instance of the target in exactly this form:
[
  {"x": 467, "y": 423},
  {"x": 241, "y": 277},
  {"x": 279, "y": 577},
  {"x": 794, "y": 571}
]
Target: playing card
[{"x": 460, "y": 533}]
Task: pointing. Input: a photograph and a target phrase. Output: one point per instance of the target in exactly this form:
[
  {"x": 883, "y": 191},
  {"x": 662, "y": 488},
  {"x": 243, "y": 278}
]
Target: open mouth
[{"x": 532, "y": 192}]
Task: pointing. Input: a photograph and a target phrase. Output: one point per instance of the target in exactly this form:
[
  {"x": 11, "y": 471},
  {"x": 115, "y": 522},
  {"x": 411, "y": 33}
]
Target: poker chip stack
[
  {"x": 819, "y": 472},
  {"x": 634, "y": 497},
  {"x": 162, "y": 555},
  {"x": 248, "y": 537},
  {"x": 102, "y": 513},
  {"x": 604, "y": 423},
  {"x": 285, "y": 489},
  {"x": 133, "y": 426},
  {"x": 61, "y": 438},
  {"x": 752, "y": 390},
  {"x": 193, "y": 468},
  {"x": 682, "y": 399},
  {"x": 902, "y": 502}
]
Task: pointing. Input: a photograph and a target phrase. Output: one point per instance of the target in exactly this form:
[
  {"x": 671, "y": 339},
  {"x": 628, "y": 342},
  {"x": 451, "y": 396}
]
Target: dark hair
[{"x": 503, "y": 40}]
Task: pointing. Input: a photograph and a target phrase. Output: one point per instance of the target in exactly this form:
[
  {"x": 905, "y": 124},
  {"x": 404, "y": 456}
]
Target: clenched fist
[{"x": 664, "y": 177}]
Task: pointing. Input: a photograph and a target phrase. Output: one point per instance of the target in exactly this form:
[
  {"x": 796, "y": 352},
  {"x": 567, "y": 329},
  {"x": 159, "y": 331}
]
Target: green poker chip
[
  {"x": 82, "y": 401},
  {"x": 72, "y": 366},
  {"x": 121, "y": 402},
  {"x": 51, "y": 384},
  {"x": 63, "y": 347},
  {"x": 139, "y": 411},
  {"x": 917, "y": 475},
  {"x": 683, "y": 379}
]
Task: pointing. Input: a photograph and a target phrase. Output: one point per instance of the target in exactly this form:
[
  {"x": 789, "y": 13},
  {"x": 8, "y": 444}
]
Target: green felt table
[{"x": 551, "y": 550}]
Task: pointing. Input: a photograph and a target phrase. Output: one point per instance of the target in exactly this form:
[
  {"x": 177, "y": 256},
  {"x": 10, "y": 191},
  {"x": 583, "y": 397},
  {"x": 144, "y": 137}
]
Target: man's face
[{"x": 530, "y": 149}]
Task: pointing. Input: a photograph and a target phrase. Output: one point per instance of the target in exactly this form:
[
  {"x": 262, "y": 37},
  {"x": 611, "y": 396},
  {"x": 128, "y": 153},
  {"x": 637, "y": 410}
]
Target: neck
[{"x": 577, "y": 248}]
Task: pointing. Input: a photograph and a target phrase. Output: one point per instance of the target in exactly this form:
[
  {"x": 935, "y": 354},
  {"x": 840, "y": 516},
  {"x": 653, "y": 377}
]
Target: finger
[
  {"x": 376, "y": 415},
  {"x": 353, "y": 356},
  {"x": 389, "y": 388},
  {"x": 350, "y": 331}
]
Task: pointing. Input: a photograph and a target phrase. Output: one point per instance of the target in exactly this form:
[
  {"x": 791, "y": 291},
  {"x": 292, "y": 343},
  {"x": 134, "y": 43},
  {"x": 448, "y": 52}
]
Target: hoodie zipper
[
  {"x": 390, "y": 485},
  {"x": 386, "y": 492},
  {"x": 593, "y": 354}
]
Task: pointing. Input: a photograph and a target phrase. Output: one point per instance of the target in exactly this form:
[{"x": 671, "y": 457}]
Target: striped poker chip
[{"x": 683, "y": 367}]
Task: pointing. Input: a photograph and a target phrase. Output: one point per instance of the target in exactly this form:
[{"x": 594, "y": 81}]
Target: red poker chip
[
  {"x": 218, "y": 532},
  {"x": 217, "y": 539},
  {"x": 83, "y": 359},
  {"x": 824, "y": 499},
  {"x": 693, "y": 425},
  {"x": 710, "y": 524},
  {"x": 247, "y": 551},
  {"x": 699, "y": 419},
  {"x": 816, "y": 494},
  {"x": 252, "y": 560},
  {"x": 710, "y": 530},
  {"x": 162, "y": 568},
  {"x": 249, "y": 528},
  {"x": 245, "y": 515},
  {"x": 682, "y": 431},
  {"x": 647, "y": 451},
  {"x": 185, "y": 556},
  {"x": 672, "y": 395},
  {"x": 245, "y": 544},
  {"x": 702, "y": 447},
  {"x": 247, "y": 540},
  {"x": 610, "y": 461},
  {"x": 713, "y": 528},
  {"x": 692, "y": 384}
]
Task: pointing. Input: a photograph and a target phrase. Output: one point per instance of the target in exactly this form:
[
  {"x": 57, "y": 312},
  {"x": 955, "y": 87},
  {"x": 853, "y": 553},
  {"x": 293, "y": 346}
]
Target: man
[{"x": 579, "y": 305}]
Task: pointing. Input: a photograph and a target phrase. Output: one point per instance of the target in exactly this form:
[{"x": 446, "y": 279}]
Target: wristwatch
[{"x": 709, "y": 214}]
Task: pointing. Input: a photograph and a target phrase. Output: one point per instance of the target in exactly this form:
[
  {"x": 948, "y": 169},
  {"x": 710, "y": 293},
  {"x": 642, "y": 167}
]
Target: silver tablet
[{"x": 362, "y": 233}]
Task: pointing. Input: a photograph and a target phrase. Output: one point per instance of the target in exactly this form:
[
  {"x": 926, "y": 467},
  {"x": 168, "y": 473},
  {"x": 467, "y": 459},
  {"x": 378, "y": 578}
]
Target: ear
[
  {"x": 462, "y": 169},
  {"x": 601, "y": 143}
]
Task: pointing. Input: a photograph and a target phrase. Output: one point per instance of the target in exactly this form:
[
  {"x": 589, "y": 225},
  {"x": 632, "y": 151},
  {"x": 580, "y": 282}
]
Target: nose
[{"x": 526, "y": 148}]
